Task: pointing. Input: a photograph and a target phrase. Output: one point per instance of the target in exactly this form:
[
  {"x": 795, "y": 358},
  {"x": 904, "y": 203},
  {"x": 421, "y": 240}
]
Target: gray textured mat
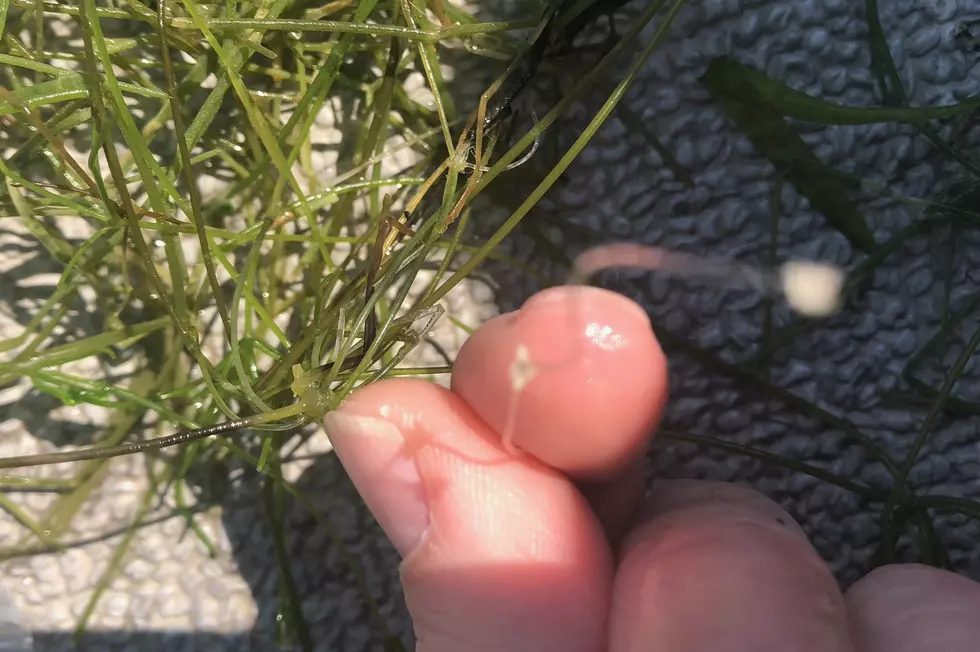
[{"x": 176, "y": 598}]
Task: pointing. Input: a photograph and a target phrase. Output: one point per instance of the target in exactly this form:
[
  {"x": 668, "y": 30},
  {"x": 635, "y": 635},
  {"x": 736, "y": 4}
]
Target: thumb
[{"x": 501, "y": 553}]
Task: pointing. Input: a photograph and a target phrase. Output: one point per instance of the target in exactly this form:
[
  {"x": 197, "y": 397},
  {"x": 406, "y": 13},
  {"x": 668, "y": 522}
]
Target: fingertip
[
  {"x": 715, "y": 502},
  {"x": 368, "y": 436},
  {"x": 593, "y": 380},
  {"x": 713, "y": 566},
  {"x": 914, "y": 608}
]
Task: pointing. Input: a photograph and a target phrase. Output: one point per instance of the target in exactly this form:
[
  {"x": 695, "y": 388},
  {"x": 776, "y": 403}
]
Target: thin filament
[
  {"x": 812, "y": 289},
  {"x": 676, "y": 263}
]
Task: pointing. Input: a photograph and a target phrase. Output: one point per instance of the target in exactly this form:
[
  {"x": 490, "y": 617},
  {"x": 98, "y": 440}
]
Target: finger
[
  {"x": 914, "y": 608},
  {"x": 615, "y": 501},
  {"x": 500, "y": 553},
  {"x": 591, "y": 379},
  {"x": 714, "y": 566}
]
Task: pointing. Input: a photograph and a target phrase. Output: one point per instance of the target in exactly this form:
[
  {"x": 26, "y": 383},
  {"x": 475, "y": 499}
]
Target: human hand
[{"x": 552, "y": 547}]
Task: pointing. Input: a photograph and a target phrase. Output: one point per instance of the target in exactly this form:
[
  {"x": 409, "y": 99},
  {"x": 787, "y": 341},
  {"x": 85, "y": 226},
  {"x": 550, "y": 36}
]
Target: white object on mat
[{"x": 812, "y": 289}]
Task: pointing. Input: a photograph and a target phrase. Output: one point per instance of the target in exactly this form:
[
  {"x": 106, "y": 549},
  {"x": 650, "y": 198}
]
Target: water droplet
[
  {"x": 198, "y": 405},
  {"x": 279, "y": 617},
  {"x": 265, "y": 295},
  {"x": 158, "y": 243},
  {"x": 46, "y": 533},
  {"x": 154, "y": 296}
]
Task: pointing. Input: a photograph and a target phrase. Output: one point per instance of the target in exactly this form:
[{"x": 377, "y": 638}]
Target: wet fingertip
[{"x": 575, "y": 378}]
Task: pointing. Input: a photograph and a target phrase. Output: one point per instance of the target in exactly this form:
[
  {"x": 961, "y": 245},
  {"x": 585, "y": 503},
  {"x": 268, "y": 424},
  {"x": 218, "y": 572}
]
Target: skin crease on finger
[{"x": 592, "y": 380}]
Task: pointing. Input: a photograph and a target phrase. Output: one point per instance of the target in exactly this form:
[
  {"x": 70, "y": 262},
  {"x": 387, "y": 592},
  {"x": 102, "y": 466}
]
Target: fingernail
[{"x": 375, "y": 456}]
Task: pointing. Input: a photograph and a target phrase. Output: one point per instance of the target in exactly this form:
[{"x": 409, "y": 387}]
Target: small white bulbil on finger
[
  {"x": 812, "y": 289},
  {"x": 522, "y": 370}
]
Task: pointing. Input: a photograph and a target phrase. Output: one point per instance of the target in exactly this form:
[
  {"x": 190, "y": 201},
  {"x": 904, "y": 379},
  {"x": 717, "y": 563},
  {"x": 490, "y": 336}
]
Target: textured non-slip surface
[{"x": 174, "y": 597}]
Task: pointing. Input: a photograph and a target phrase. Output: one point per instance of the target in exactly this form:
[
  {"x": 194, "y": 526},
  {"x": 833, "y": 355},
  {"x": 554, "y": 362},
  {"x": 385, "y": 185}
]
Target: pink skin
[
  {"x": 614, "y": 372},
  {"x": 521, "y": 527}
]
